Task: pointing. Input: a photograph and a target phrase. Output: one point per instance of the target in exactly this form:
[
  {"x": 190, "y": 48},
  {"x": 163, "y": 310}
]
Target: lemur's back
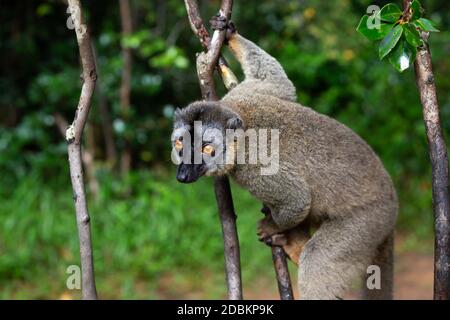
[{"x": 341, "y": 170}]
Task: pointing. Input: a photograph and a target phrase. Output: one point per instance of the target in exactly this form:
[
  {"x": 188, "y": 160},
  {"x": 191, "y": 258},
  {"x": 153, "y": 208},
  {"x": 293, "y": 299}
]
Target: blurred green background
[{"x": 154, "y": 238}]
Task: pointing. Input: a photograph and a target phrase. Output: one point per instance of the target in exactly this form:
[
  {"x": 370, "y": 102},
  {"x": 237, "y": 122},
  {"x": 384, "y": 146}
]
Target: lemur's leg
[
  {"x": 257, "y": 64},
  {"x": 338, "y": 253}
]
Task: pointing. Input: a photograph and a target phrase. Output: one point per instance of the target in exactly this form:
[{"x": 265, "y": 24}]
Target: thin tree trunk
[
  {"x": 282, "y": 273},
  {"x": 281, "y": 268},
  {"x": 439, "y": 164},
  {"x": 206, "y": 63},
  {"x": 88, "y": 153},
  {"x": 73, "y": 136},
  {"x": 125, "y": 89}
]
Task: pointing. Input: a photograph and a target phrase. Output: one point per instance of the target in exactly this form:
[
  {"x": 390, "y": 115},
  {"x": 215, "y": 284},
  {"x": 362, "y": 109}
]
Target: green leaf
[
  {"x": 389, "y": 42},
  {"x": 412, "y": 35},
  {"x": 425, "y": 25},
  {"x": 402, "y": 57},
  {"x": 390, "y": 13},
  {"x": 370, "y": 31},
  {"x": 417, "y": 10}
]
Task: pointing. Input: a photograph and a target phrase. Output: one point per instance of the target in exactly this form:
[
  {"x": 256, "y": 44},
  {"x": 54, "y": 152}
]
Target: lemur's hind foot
[
  {"x": 269, "y": 233},
  {"x": 292, "y": 240}
]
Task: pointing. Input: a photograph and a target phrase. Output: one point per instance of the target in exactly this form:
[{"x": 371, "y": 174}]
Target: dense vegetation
[{"x": 153, "y": 237}]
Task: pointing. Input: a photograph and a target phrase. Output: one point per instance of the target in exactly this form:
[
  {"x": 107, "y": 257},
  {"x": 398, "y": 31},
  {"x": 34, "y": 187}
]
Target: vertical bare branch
[
  {"x": 125, "y": 89},
  {"x": 87, "y": 154},
  {"x": 197, "y": 26},
  {"x": 439, "y": 164},
  {"x": 73, "y": 137},
  {"x": 281, "y": 267},
  {"x": 282, "y": 273},
  {"x": 206, "y": 63},
  {"x": 230, "y": 237}
]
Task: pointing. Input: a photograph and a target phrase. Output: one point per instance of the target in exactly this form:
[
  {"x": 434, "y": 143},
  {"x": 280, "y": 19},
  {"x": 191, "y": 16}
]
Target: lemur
[{"x": 329, "y": 180}]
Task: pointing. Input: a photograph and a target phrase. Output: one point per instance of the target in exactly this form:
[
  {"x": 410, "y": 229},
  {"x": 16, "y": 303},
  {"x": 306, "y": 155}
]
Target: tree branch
[
  {"x": 206, "y": 62},
  {"x": 73, "y": 137},
  {"x": 282, "y": 273},
  {"x": 87, "y": 154},
  {"x": 197, "y": 26},
  {"x": 439, "y": 163},
  {"x": 281, "y": 268},
  {"x": 125, "y": 88}
]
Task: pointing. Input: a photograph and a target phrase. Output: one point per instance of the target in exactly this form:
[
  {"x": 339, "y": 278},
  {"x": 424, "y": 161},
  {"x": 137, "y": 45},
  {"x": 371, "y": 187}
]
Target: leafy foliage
[
  {"x": 402, "y": 26},
  {"x": 390, "y": 41}
]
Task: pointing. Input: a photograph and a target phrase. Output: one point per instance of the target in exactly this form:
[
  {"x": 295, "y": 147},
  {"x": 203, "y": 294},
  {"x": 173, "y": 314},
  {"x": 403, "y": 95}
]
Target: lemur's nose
[{"x": 182, "y": 174}]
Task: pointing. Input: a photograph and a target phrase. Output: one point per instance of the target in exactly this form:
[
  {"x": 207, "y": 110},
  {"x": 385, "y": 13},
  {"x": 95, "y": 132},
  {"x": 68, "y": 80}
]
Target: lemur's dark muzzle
[{"x": 187, "y": 173}]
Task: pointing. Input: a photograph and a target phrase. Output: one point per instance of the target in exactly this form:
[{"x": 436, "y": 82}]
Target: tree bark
[
  {"x": 439, "y": 164},
  {"x": 73, "y": 136},
  {"x": 281, "y": 268},
  {"x": 282, "y": 273},
  {"x": 206, "y": 63},
  {"x": 125, "y": 89},
  {"x": 87, "y": 154}
]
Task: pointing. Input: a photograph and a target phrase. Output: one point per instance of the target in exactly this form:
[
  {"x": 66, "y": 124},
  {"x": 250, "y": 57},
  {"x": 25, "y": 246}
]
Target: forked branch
[{"x": 206, "y": 63}]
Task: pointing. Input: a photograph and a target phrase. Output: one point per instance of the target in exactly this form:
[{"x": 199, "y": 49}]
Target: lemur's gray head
[{"x": 199, "y": 140}]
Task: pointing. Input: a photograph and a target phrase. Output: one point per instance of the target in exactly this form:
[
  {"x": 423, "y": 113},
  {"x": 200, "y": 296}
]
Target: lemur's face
[{"x": 199, "y": 141}]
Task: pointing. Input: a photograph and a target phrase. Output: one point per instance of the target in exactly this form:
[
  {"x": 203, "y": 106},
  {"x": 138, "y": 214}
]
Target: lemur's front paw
[
  {"x": 219, "y": 22},
  {"x": 270, "y": 233}
]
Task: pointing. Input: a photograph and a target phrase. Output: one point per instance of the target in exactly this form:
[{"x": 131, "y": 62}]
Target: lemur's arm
[
  {"x": 256, "y": 63},
  {"x": 263, "y": 73},
  {"x": 263, "y": 70}
]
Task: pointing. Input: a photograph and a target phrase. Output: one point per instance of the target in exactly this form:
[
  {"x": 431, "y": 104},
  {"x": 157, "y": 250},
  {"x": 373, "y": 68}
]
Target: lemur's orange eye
[
  {"x": 178, "y": 145},
  {"x": 209, "y": 150}
]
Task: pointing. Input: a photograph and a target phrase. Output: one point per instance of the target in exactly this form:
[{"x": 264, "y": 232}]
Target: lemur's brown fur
[{"x": 328, "y": 178}]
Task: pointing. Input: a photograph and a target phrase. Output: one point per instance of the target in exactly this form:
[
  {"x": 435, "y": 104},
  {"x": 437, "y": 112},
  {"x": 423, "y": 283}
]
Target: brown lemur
[{"x": 328, "y": 178}]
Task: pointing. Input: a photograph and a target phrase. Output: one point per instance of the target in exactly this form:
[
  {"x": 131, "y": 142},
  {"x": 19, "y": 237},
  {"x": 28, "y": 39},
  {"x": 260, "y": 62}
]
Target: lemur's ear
[
  {"x": 189, "y": 114},
  {"x": 177, "y": 112},
  {"x": 235, "y": 123}
]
